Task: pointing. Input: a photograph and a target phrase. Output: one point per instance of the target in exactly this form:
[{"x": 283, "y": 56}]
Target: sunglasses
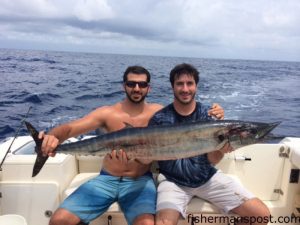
[{"x": 132, "y": 84}]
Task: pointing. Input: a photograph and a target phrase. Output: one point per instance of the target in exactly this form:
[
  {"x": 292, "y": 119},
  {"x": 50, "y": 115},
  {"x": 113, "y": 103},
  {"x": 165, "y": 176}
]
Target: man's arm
[
  {"x": 216, "y": 156},
  {"x": 83, "y": 125}
]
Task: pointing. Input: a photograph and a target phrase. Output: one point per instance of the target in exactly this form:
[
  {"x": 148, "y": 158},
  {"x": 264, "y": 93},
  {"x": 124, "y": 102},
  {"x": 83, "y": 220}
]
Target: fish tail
[{"x": 40, "y": 159}]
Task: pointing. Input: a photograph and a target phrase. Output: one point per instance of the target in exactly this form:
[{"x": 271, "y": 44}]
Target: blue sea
[{"x": 63, "y": 86}]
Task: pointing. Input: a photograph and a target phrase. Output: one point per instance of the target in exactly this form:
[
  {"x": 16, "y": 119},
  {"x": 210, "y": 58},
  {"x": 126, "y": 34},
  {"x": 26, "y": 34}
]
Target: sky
[{"x": 230, "y": 29}]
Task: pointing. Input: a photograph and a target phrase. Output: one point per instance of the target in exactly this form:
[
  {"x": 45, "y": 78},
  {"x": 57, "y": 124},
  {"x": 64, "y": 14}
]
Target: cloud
[
  {"x": 92, "y": 10},
  {"x": 28, "y": 9},
  {"x": 86, "y": 10},
  {"x": 198, "y": 28}
]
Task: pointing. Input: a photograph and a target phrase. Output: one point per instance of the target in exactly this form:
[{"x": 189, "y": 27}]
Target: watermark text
[{"x": 207, "y": 219}]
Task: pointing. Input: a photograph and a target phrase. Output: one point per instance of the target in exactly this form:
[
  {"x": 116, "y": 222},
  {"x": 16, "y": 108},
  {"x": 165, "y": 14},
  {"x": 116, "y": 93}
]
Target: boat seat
[
  {"x": 195, "y": 206},
  {"x": 12, "y": 219},
  {"x": 294, "y": 146}
]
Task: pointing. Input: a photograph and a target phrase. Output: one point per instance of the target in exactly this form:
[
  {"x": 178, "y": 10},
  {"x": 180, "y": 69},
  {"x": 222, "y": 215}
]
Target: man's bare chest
[{"x": 118, "y": 123}]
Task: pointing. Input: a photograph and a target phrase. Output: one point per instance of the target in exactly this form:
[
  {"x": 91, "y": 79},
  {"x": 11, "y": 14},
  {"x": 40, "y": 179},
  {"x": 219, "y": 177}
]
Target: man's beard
[
  {"x": 183, "y": 102},
  {"x": 136, "y": 101}
]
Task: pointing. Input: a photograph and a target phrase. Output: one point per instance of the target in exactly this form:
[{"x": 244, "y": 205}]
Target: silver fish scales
[{"x": 163, "y": 142}]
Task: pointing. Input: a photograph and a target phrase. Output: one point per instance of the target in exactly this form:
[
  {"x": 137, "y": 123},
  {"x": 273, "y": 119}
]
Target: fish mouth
[
  {"x": 249, "y": 133},
  {"x": 264, "y": 129}
]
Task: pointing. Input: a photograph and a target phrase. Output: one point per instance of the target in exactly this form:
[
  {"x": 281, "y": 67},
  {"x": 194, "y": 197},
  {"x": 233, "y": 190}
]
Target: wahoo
[{"x": 163, "y": 142}]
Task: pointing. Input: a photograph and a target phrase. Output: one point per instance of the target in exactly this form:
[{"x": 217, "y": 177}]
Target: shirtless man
[{"x": 128, "y": 182}]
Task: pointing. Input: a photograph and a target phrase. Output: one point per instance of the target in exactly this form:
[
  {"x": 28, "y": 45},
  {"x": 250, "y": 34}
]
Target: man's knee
[
  {"x": 145, "y": 219},
  {"x": 64, "y": 217},
  {"x": 257, "y": 207},
  {"x": 264, "y": 211},
  {"x": 254, "y": 209},
  {"x": 167, "y": 217}
]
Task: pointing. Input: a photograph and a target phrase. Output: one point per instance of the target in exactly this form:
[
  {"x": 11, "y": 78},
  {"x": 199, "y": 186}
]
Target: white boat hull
[{"x": 267, "y": 175}]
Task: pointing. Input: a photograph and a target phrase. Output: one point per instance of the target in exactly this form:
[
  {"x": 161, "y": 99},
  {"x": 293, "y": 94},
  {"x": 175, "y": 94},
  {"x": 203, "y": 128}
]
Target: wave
[
  {"x": 63, "y": 109},
  {"x": 96, "y": 96},
  {"x": 59, "y": 68},
  {"x": 8, "y": 58},
  {"x": 44, "y": 60},
  {"x": 113, "y": 94},
  {"x": 87, "y": 97},
  {"x": 5, "y": 103},
  {"x": 6, "y": 129},
  {"x": 38, "y": 98},
  {"x": 26, "y": 97},
  {"x": 33, "y": 60},
  {"x": 33, "y": 99}
]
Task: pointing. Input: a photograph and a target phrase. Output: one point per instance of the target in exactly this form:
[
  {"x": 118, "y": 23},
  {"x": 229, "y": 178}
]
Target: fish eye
[{"x": 221, "y": 137}]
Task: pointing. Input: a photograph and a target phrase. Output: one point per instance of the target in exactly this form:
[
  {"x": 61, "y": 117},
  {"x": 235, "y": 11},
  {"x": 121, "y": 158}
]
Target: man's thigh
[
  {"x": 92, "y": 198},
  {"x": 223, "y": 191},
  {"x": 137, "y": 197},
  {"x": 172, "y": 196}
]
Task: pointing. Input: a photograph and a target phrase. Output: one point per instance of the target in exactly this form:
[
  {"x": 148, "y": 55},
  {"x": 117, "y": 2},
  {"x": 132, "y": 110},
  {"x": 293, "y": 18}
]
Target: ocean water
[{"x": 62, "y": 86}]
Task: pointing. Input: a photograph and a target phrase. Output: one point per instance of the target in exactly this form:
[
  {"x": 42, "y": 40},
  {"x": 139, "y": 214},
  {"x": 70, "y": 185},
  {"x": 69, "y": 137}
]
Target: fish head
[{"x": 240, "y": 134}]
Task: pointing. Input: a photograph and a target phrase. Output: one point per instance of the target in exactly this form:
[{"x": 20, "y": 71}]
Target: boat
[{"x": 270, "y": 171}]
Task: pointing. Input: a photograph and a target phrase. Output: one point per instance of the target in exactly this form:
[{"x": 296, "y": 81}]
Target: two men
[
  {"x": 196, "y": 176},
  {"x": 128, "y": 182}
]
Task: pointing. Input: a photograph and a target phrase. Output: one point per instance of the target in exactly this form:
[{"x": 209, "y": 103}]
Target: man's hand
[
  {"x": 144, "y": 161},
  {"x": 49, "y": 144},
  {"x": 227, "y": 148},
  {"x": 118, "y": 156},
  {"x": 216, "y": 156},
  {"x": 121, "y": 157},
  {"x": 216, "y": 111}
]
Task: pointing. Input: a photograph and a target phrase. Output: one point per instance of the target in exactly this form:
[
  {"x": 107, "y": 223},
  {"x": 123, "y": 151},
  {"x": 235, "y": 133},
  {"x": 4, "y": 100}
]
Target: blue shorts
[{"x": 93, "y": 198}]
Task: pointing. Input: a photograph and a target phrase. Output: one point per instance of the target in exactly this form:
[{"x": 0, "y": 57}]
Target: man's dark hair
[
  {"x": 136, "y": 70},
  {"x": 181, "y": 69}
]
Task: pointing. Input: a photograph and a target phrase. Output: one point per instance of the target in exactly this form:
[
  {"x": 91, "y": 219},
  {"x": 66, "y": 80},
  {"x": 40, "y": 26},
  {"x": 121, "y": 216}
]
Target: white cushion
[{"x": 12, "y": 219}]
